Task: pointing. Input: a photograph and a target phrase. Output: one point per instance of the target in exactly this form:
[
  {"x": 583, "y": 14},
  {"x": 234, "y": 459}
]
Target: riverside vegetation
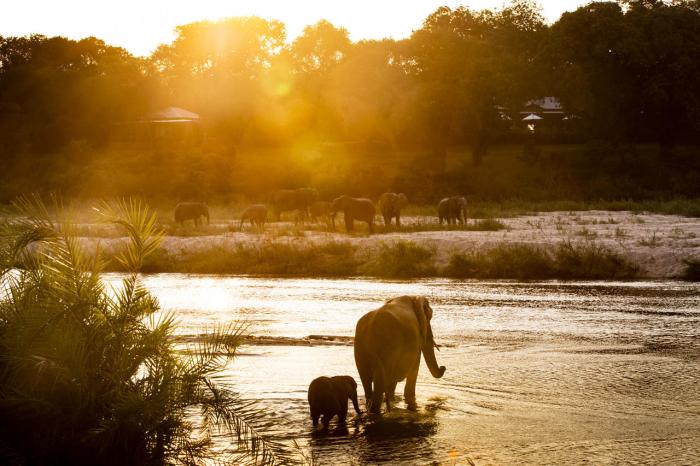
[{"x": 91, "y": 375}]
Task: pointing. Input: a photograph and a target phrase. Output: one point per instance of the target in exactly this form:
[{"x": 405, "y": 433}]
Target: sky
[{"x": 141, "y": 25}]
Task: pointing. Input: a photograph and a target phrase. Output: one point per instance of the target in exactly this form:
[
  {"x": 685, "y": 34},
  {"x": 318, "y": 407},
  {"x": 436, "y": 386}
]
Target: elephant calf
[
  {"x": 390, "y": 205},
  {"x": 328, "y": 396},
  {"x": 453, "y": 210},
  {"x": 257, "y": 214}
]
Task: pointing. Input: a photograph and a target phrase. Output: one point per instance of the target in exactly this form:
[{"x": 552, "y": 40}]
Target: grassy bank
[{"x": 402, "y": 259}]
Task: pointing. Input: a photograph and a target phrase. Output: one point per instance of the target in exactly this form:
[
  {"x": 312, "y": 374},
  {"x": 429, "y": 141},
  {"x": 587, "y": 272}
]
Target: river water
[{"x": 537, "y": 372}]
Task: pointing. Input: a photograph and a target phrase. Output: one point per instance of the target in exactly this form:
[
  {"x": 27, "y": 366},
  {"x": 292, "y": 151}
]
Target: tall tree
[{"x": 216, "y": 67}]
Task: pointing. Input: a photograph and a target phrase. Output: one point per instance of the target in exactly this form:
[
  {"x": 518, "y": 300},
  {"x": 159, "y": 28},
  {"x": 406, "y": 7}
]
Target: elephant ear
[{"x": 423, "y": 313}]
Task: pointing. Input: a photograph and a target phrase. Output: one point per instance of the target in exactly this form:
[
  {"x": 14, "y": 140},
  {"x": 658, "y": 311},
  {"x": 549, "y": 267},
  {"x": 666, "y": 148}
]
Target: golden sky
[{"x": 140, "y": 25}]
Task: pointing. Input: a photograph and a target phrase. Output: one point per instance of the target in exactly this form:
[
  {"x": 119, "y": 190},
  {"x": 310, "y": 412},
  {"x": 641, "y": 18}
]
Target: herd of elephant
[
  {"x": 388, "y": 345},
  {"x": 305, "y": 202}
]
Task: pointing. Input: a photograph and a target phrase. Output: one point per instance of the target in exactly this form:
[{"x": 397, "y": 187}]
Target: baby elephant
[
  {"x": 257, "y": 214},
  {"x": 328, "y": 396}
]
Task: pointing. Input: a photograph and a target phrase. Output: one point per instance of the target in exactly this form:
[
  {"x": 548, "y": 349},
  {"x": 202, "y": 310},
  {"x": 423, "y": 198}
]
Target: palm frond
[{"x": 87, "y": 373}]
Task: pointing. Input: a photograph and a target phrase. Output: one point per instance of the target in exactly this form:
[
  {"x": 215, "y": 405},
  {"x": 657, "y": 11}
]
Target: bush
[
  {"x": 93, "y": 376},
  {"x": 523, "y": 261},
  {"x": 402, "y": 259},
  {"x": 268, "y": 258}
]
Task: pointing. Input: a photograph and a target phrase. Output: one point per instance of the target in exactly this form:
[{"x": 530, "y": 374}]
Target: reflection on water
[{"x": 537, "y": 373}]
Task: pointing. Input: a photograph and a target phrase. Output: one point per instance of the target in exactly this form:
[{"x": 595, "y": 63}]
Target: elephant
[
  {"x": 191, "y": 211},
  {"x": 390, "y": 205},
  {"x": 329, "y": 396},
  {"x": 388, "y": 344},
  {"x": 354, "y": 209},
  {"x": 257, "y": 214},
  {"x": 453, "y": 209},
  {"x": 286, "y": 200},
  {"x": 320, "y": 209}
]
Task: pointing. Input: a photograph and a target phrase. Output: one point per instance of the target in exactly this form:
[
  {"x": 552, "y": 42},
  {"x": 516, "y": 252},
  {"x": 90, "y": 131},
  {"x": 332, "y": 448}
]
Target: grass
[
  {"x": 488, "y": 224},
  {"x": 523, "y": 261},
  {"x": 334, "y": 259},
  {"x": 651, "y": 242},
  {"x": 401, "y": 259}
]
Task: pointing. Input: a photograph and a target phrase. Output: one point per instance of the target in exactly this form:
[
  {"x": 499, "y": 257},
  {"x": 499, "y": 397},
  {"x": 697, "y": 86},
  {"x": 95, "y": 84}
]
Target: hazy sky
[{"x": 140, "y": 25}]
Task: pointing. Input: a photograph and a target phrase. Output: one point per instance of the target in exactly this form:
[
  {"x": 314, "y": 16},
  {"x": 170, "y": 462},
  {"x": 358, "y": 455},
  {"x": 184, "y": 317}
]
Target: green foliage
[
  {"x": 523, "y": 261},
  {"x": 361, "y": 118},
  {"x": 403, "y": 259},
  {"x": 90, "y": 375},
  {"x": 268, "y": 258}
]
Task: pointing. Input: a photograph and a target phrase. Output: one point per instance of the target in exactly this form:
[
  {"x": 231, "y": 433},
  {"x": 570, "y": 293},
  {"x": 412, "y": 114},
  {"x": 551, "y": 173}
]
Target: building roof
[
  {"x": 550, "y": 104},
  {"x": 532, "y": 117},
  {"x": 173, "y": 114}
]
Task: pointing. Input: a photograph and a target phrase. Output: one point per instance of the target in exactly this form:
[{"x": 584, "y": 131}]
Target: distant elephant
[
  {"x": 354, "y": 208},
  {"x": 286, "y": 200},
  {"x": 453, "y": 209},
  {"x": 257, "y": 214},
  {"x": 320, "y": 209},
  {"x": 388, "y": 345},
  {"x": 328, "y": 396},
  {"x": 191, "y": 211},
  {"x": 390, "y": 205}
]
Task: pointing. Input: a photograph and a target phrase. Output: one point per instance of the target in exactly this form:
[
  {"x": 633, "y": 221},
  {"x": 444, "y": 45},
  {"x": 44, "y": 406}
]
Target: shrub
[
  {"x": 333, "y": 259},
  {"x": 523, "y": 261},
  {"x": 403, "y": 259},
  {"x": 93, "y": 376}
]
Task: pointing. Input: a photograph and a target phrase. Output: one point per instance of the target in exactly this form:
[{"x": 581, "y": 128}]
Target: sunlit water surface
[{"x": 537, "y": 372}]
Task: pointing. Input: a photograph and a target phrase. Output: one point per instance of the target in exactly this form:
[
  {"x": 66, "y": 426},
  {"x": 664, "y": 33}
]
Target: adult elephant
[
  {"x": 388, "y": 345},
  {"x": 191, "y": 211},
  {"x": 289, "y": 200},
  {"x": 354, "y": 208},
  {"x": 452, "y": 210},
  {"x": 256, "y": 214},
  {"x": 390, "y": 205}
]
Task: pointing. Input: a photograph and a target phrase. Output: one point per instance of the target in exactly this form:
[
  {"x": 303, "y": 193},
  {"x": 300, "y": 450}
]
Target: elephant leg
[
  {"x": 315, "y": 414},
  {"x": 387, "y": 220},
  {"x": 371, "y": 226},
  {"x": 398, "y": 220},
  {"x": 378, "y": 392},
  {"x": 365, "y": 371},
  {"x": 409, "y": 391},
  {"x": 349, "y": 223},
  {"x": 391, "y": 390},
  {"x": 343, "y": 412}
]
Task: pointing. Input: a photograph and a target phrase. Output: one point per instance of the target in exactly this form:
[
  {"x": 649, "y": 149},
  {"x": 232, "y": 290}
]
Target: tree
[
  {"x": 94, "y": 376},
  {"x": 467, "y": 63},
  {"x": 216, "y": 69},
  {"x": 632, "y": 73}
]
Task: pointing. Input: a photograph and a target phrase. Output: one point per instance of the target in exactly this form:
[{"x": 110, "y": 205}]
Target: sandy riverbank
[{"x": 658, "y": 244}]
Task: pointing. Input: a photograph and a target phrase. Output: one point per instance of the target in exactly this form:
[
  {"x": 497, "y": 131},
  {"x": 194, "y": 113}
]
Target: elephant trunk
[{"x": 429, "y": 355}]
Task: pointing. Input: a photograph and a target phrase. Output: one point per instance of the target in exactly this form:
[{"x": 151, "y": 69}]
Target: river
[{"x": 537, "y": 372}]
